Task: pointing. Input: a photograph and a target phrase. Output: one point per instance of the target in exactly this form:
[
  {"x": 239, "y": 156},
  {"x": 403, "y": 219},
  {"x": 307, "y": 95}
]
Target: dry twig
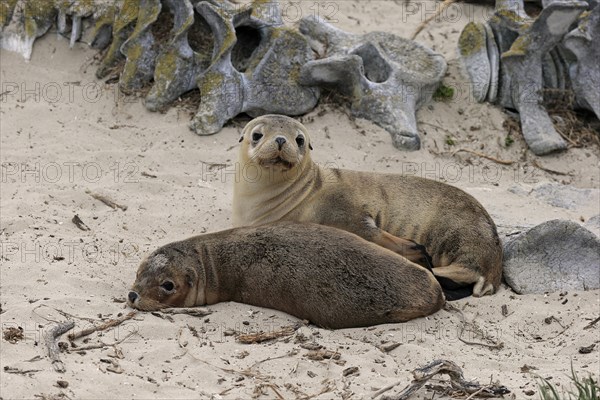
[
  {"x": 538, "y": 165},
  {"x": 193, "y": 311},
  {"x": 318, "y": 355},
  {"x": 494, "y": 345},
  {"x": 102, "y": 345},
  {"x": 106, "y": 200},
  {"x": 594, "y": 322},
  {"x": 423, "y": 24},
  {"x": 260, "y": 337},
  {"x": 478, "y": 154},
  {"x": 51, "y": 338},
  {"x": 15, "y": 370},
  {"x": 108, "y": 324},
  {"x": 457, "y": 380}
]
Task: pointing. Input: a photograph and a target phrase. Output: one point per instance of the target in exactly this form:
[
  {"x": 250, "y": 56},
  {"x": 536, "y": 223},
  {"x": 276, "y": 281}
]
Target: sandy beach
[{"x": 67, "y": 139}]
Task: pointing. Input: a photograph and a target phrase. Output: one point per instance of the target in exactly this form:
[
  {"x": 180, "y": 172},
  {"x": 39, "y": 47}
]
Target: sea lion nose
[
  {"x": 132, "y": 296},
  {"x": 280, "y": 141}
]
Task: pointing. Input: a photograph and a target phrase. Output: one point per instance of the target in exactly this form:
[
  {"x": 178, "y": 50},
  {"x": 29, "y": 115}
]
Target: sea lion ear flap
[
  {"x": 310, "y": 146},
  {"x": 241, "y": 138},
  {"x": 191, "y": 276}
]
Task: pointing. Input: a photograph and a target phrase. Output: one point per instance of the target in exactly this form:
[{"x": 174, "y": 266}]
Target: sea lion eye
[
  {"x": 256, "y": 136},
  {"x": 300, "y": 141},
  {"x": 167, "y": 286}
]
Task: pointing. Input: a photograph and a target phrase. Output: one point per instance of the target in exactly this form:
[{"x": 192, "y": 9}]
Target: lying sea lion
[
  {"x": 424, "y": 220},
  {"x": 330, "y": 277}
]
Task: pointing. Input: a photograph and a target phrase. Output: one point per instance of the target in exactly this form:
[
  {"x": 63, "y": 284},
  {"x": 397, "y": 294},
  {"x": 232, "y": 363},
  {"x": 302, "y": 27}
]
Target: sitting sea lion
[{"x": 424, "y": 220}]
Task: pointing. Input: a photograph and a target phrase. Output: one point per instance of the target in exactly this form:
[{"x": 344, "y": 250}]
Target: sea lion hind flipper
[{"x": 457, "y": 274}]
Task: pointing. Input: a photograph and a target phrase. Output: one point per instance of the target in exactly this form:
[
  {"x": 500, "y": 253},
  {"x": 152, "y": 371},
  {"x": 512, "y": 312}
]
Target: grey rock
[
  {"x": 563, "y": 196},
  {"x": 593, "y": 224},
  {"x": 554, "y": 256},
  {"x": 386, "y": 78},
  {"x": 519, "y": 190}
]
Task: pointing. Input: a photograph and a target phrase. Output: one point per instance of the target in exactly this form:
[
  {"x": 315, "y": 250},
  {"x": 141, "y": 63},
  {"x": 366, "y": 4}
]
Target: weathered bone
[
  {"x": 23, "y": 21},
  {"x": 584, "y": 42},
  {"x": 123, "y": 26},
  {"x": 523, "y": 62},
  {"x": 533, "y": 58},
  {"x": 386, "y": 78},
  {"x": 104, "y": 17},
  {"x": 77, "y": 10},
  {"x": 141, "y": 49},
  {"x": 240, "y": 57},
  {"x": 22, "y": 25},
  {"x": 265, "y": 81},
  {"x": 178, "y": 64}
]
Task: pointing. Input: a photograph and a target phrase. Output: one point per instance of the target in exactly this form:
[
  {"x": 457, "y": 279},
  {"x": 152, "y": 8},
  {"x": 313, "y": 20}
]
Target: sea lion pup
[
  {"x": 330, "y": 277},
  {"x": 279, "y": 181}
]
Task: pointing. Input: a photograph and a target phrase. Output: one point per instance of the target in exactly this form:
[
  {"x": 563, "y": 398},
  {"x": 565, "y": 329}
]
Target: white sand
[{"x": 52, "y": 152}]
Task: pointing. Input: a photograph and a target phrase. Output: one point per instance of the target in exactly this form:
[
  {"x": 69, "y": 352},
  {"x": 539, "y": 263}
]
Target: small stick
[
  {"x": 106, "y": 201},
  {"x": 494, "y": 159},
  {"x": 538, "y": 165},
  {"x": 51, "y": 338},
  {"x": 273, "y": 387},
  {"x": 227, "y": 390},
  {"x": 496, "y": 346},
  {"x": 388, "y": 347},
  {"x": 102, "y": 345},
  {"x": 318, "y": 355},
  {"x": 15, "y": 370},
  {"x": 63, "y": 313},
  {"x": 288, "y": 354},
  {"x": 385, "y": 389},
  {"x": 108, "y": 324},
  {"x": 568, "y": 139},
  {"x": 265, "y": 336},
  {"x": 437, "y": 127},
  {"x": 193, "y": 311},
  {"x": 594, "y": 322},
  {"x": 423, "y": 24},
  {"x": 472, "y": 396}
]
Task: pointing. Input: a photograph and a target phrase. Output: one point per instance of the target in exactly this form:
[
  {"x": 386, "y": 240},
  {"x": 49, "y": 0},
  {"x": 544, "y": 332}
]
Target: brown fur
[
  {"x": 395, "y": 211},
  {"x": 331, "y": 277}
]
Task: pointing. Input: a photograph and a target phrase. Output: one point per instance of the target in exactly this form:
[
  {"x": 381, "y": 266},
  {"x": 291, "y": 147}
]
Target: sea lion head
[
  {"x": 167, "y": 278},
  {"x": 275, "y": 141}
]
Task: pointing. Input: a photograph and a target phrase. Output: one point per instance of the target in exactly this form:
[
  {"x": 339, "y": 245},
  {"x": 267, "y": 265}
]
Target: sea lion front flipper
[{"x": 408, "y": 248}]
